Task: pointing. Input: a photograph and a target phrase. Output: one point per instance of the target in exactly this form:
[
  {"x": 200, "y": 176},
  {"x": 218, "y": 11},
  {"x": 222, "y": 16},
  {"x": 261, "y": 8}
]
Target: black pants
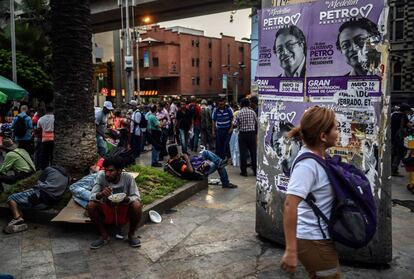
[
  {"x": 46, "y": 156},
  {"x": 26, "y": 145},
  {"x": 247, "y": 143},
  {"x": 398, "y": 152}
]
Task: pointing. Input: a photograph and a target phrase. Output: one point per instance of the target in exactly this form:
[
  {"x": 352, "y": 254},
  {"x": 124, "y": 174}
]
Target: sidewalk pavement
[{"x": 211, "y": 235}]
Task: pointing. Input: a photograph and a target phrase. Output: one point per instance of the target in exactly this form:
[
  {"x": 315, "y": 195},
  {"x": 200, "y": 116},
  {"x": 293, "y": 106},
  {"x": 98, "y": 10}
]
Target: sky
[{"x": 212, "y": 25}]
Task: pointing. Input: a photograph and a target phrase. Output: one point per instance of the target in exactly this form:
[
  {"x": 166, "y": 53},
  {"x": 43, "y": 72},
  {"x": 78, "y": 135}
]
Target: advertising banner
[
  {"x": 343, "y": 48},
  {"x": 283, "y": 50}
]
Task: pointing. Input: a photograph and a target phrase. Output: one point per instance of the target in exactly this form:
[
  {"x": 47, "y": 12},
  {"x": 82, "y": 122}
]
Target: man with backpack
[
  {"x": 399, "y": 130},
  {"x": 16, "y": 160},
  {"x": 138, "y": 122},
  {"x": 22, "y": 127}
]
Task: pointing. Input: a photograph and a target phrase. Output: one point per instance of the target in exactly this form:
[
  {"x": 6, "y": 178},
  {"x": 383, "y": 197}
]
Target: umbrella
[
  {"x": 3, "y": 98},
  {"x": 11, "y": 89}
]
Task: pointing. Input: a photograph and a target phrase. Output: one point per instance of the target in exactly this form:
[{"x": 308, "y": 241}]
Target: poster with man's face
[
  {"x": 344, "y": 48},
  {"x": 283, "y": 51}
]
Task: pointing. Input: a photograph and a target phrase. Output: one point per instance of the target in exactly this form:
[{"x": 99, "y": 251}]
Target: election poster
[
  {"x": 344, "y": 48},
  {"x": 283, "y": 50},
  {"x": 357, "y": 141}
]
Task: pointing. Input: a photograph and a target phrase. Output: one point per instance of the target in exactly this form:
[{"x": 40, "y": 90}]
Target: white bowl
[
  {"x": 155, "y": 216},
  {"x": 117, "y": 198}
]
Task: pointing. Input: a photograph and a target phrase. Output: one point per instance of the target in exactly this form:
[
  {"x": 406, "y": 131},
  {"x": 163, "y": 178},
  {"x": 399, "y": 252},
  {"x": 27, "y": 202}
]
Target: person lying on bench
[
  {"x": 81, "y": 189},
  {"x": 104, "y": 208},
  {"x": 47, "y": 192},
  {"x": 16, "y": 160},
  {"x": 197, "y": 167}
]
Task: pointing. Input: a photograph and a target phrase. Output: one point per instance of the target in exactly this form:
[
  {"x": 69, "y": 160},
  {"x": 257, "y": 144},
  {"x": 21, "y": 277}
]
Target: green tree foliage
[{"x": 30, "y": 75}]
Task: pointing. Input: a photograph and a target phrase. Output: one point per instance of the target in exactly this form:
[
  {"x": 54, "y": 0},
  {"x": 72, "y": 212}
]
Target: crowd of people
[{"x": 192, "y": 124}]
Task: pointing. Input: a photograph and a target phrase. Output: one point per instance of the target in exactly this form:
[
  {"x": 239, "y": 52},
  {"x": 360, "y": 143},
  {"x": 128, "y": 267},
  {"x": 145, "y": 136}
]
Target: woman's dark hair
[
  {"x": 172, "y": 150},
  {"x": 117, "y": 162},
  {"x": 153, "y": 108},
  {"x": 294, "y": 31},
  {"x": 363, "y": 23}
]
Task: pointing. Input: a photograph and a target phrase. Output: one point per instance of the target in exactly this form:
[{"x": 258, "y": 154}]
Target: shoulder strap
[
  {"x": 310, "y": 155},
  {"x": 30, "y": 166}
]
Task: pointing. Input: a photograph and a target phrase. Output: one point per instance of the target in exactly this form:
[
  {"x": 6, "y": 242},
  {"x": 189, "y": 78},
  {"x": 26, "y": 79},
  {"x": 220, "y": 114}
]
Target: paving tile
[
  {"x": 46, "y": 270},
  {"x": 64, "y": 245},
  {"x": 35, "y": 243},
  {"x": 70, "y": 263},
  {"x": 36, "y": 258}
]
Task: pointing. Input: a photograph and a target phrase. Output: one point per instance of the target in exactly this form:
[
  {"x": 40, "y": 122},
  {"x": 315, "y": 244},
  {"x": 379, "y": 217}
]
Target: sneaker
[
  {"x": 230, "y": 186},
  {"x": 156, "y": 165},
  {"x": 15, "y": 228},
  {"x": 202, "y": 148},
  {"x": 134, "y": 242},
  {"x": 223, "y": 163},
  {"x": 98, "y": 243},
  {"x": 17, "y": 221}
]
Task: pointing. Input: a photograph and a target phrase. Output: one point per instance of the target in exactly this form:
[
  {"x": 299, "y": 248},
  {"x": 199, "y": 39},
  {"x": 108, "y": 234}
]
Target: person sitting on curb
[
  {"x": 102, "y": 211},
  {"x": 17, "y": 160},
  {"x": 184, "y": 167},
  {"x": 47, "y": 192}
]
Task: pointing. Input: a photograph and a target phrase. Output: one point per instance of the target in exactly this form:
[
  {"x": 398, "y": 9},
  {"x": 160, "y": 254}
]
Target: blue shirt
[
  {"x": 29, "y": 125},
  {"x": 223, "y": 118}
]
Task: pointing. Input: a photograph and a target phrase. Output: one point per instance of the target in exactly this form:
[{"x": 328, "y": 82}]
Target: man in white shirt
[
  {"x": 136, "y": 134},
  {"x": 47, "y": 124}
]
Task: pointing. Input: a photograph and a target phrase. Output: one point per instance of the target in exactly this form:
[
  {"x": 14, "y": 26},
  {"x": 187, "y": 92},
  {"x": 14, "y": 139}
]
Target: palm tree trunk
[{"x": 75, "y": 143}]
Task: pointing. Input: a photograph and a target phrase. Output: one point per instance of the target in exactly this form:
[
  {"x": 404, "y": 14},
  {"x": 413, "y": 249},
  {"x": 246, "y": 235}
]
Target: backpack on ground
[
  {"x": 20, "y": 126},
  {"x": 353, "y": 220},
  {"x": 127, "y": 156}
]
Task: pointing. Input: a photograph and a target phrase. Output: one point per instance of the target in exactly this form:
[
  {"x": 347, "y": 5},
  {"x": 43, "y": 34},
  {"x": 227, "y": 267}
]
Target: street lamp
[{"x": 235, "y": 77}]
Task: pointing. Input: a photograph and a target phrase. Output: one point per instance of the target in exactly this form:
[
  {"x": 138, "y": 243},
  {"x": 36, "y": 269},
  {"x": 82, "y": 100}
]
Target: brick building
[
  {"x": 182, "y": 61},
  {"x": 402, "y": 51}
]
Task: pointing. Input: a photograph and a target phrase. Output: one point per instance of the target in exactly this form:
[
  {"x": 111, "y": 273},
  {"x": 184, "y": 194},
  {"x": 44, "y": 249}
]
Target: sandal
[{"x": 17, "y": 221}]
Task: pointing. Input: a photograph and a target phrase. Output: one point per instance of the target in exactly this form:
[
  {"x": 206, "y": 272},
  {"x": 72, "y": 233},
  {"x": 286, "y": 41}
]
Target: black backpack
[
  {"x": 144, "y": 122},
  {"x": 20, "y": 126}
]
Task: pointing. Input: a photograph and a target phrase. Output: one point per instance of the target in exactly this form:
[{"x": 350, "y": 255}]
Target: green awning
[
  {"x": 3, "y": 98},
  {"x": 11, "y": 89}
]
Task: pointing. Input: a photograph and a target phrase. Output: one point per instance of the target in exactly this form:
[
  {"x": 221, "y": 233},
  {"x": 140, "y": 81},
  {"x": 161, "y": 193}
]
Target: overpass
[{"x": 106, "y": 15}]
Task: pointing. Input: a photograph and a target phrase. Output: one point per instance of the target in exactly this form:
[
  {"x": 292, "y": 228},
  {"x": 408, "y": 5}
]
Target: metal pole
[
  {"x": 128, "y": 53},
  {"x": 236, "y": 80},
  {"x": 13, "y": 41},
  {"x": 137, "y": 62}
]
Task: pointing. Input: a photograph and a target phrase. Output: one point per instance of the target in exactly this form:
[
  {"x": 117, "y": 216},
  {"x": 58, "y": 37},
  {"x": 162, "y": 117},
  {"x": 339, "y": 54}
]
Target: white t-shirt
[
  {"x": 309, "y": 176},
  {"x": 135, "y": 120}
]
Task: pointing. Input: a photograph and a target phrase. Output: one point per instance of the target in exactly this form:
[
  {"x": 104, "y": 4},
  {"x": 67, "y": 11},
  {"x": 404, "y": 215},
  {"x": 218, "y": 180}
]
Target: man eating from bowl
[{"x": 114, "y": 199}]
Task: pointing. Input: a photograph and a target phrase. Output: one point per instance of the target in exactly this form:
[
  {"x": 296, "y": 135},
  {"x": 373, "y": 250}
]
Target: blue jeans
[
  {"x": 214, "y": 165},
  {"x": 155, "y": 156},
  {"x": 184, "y": 140},
  {"x": 136, "y": 145},
  {"x": 81, "y": 190},
  {"x": 222, "y": 142},
  {"x": 196, "y": 138},
  {"x": 101, "y": 145}
]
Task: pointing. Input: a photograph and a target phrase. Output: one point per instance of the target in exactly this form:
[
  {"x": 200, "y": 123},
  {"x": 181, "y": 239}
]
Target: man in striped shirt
[
  {"x": 222, "y": 127},
  {"x": 246, "y": 121}
]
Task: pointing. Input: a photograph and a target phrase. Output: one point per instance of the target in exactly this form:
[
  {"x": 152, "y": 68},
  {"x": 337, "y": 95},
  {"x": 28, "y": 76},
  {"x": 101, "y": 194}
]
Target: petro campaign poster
[
  {"x": 283, "y": 51},
  {"x": 344, "y": 49}
]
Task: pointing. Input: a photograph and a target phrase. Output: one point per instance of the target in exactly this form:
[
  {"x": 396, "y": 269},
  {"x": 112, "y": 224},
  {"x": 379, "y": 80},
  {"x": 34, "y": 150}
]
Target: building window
[
  {"x": 198, "y": 80},
  {"x": 210, "y": 81},
  {"x": 397, "y": 76},
  {"x": 193, "y": 80},
  {"x": 197, "y": 62},
  {"x": 210, "y": 63},
  {"x": 155, "y": 62},
  {"x": 141, "y": 63},
  {"x": 192, "y": 42},
  {"x": 241, "y": 48},
  {"x": 209, "y": 44},
  {"x": 397, "y": 23},
  {"x": 197, "y": 43},
  {"x": 192, "y": 62}
]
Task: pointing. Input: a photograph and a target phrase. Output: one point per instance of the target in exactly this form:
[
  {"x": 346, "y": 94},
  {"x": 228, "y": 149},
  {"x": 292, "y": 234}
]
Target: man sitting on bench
[{"x": 197, "y": 168}]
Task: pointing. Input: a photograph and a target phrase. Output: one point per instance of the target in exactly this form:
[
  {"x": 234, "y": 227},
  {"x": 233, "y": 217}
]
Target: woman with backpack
[{"x": 306, "y": 236}]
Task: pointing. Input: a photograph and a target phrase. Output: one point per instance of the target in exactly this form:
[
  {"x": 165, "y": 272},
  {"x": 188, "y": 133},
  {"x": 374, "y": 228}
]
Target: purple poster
[
  {"x": 343, "y": 48},
  {"x": 282, "y": 55}
]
